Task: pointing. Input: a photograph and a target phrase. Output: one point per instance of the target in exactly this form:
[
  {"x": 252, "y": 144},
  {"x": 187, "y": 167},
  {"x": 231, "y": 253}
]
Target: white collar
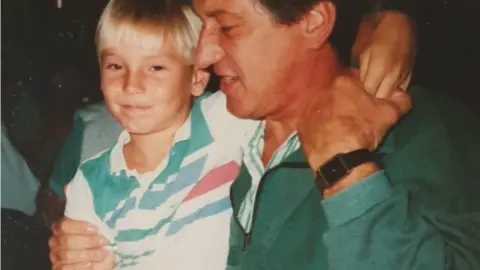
[{"x": 117, "y": 159}]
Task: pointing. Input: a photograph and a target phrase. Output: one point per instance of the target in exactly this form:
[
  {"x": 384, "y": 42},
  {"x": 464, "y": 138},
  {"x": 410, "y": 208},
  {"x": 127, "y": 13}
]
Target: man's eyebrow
[{"x": 219, "y": 12}]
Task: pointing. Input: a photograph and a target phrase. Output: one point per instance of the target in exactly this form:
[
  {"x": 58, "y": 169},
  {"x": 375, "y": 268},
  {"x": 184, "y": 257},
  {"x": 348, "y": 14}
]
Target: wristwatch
[{"x": 340, "y": 165}]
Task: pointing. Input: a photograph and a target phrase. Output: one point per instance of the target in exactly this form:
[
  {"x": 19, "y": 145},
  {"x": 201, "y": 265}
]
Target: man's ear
[
  {"x": 318, "y": 23},
  {"x": 199, "y": 81}
]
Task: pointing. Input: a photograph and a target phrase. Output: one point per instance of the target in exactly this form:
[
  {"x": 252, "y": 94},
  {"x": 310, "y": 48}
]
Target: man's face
[
  {"x": 146, "y": 90},
  {"x": 253, "y": 55}
]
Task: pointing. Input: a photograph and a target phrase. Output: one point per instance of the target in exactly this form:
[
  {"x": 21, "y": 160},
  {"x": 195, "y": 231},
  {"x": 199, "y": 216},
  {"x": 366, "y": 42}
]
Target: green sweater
[{"x": 422, "y": 211}]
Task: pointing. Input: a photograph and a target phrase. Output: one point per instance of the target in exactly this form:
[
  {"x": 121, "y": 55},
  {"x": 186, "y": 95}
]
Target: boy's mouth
[{"x": 135, "y": 109}]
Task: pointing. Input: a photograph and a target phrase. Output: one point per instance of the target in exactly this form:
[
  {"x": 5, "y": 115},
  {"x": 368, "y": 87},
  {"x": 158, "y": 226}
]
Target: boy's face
[{"x": 147, "y": 90}]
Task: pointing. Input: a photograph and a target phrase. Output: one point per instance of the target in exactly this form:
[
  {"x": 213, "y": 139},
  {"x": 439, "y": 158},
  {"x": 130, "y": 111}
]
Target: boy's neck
[{"x": 144, "y": 152}]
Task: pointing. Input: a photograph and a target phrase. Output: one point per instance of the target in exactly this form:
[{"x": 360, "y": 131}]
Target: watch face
[{"x": 333, "y": 170}]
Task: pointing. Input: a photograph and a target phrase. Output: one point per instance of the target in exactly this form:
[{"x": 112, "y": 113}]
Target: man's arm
[
  {"x": 388, "y": 228},
  {"x": 422, "y": 211}
]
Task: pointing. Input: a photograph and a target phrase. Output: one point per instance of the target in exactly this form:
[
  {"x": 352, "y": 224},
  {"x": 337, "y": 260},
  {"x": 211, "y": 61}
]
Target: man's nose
[{"x": 208, "y": 50}]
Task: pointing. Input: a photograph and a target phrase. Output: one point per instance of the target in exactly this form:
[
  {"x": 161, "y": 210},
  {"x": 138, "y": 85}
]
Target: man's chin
[{"x": 238, "y": 110}]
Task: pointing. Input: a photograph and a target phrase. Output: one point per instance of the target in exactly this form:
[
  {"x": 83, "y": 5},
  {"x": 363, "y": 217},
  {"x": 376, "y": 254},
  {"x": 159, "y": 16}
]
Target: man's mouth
[{"x": 228, "y": 80}]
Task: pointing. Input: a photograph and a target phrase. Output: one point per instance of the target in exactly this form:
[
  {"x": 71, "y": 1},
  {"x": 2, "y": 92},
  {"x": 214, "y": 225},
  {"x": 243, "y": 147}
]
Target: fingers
[
  {"x": 394, "y": 107},
  {"x": 406, "y": 82},
  {"x": 387, "y": 86},
  {"x": 364, "y": 62},
  {"x": 402, "y": 101},
  {"x": 80, "y": 266},
  {"x": 63, "y": 257},
  {"x": 70, "y": 226},
  {"x": 381, "y": 74},
  {"x": 76, "y": 242},
  {"x": 373, "y": 77},
  {"x": 68, "y": 249}
]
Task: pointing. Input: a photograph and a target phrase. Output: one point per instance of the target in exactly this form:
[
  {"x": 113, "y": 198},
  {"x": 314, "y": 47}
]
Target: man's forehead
[{"x": 212, "y": 8}]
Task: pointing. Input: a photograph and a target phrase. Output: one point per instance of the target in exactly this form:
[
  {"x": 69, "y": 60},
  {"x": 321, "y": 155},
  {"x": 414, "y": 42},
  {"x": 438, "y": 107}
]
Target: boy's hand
[
  {"x": 385, "y": 49},
  {"x": 76, "y": 245},
  {"x": 107, "y": 264}
]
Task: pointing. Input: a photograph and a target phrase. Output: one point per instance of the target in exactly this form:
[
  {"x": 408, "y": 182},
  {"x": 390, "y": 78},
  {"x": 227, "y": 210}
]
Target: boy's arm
[
  {"x": 385, "y": 50},
  {"x": 80, "y": 206}
]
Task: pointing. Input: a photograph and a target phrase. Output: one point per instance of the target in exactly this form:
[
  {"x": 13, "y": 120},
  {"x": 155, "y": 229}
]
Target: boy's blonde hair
[{"x": 148, "y": 23}]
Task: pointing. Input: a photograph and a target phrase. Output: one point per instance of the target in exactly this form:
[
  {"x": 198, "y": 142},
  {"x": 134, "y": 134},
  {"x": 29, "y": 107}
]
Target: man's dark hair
[
  {"x": 349, "y": 15},
  {"x": 288, "y": 11}
]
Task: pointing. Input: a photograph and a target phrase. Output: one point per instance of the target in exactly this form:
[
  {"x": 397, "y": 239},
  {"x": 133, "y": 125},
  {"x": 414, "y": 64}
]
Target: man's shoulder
[
  {"x": 437, "y": 139},
  {"x": 433, "y": 110}
]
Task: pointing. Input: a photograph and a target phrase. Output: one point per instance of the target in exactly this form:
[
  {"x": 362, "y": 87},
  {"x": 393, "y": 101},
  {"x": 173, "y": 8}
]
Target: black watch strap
[{"x": 340, "y": 165}]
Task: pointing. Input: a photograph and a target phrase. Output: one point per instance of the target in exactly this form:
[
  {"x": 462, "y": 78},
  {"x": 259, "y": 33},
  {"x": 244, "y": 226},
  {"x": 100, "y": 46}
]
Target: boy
[{"x": 159, "y": 185}]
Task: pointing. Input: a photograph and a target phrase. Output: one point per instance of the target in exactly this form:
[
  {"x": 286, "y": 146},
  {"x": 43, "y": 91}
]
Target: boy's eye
[
  {"x": 157, "y": 68},
  {"x": 114, "y": 67}
]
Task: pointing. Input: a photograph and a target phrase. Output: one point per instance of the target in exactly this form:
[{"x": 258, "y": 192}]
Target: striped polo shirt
[{"x": 177, "y": 216}]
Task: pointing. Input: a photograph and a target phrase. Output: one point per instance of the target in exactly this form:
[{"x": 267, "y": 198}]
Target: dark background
[
  {"x": 49, "y": 54},
  {"x": 49, "y": 65}
]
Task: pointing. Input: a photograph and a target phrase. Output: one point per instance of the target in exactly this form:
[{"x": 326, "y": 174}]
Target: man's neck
[
  {"x": 319, "y": 70},
  {"x": 276, "y": 133}
]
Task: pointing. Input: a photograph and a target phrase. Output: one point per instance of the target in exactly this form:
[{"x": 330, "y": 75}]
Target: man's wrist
[
  {"x": 318, "y": 157},
  {"x": 356, "y": 174}
]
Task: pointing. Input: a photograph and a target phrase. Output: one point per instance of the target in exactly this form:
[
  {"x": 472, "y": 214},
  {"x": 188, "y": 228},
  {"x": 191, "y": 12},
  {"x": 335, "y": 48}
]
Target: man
[
  {"x": 281, "y": 90},
  {"x": 412, "y": 205}
]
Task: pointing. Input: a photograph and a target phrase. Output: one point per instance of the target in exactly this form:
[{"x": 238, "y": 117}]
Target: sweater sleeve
[{"x": 421, "y": 212}]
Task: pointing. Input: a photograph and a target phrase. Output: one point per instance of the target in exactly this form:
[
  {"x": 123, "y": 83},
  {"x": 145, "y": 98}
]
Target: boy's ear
[{"x": 199, "y": 81}]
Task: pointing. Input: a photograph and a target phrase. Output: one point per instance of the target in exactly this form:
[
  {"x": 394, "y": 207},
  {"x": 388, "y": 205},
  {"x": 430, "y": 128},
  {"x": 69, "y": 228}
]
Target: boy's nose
[{"x": 133, "y": 83}]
